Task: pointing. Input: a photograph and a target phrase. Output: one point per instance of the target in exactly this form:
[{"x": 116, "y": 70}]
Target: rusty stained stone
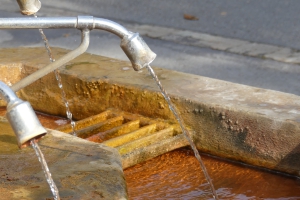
[
  {"x": 267, "y": 133},
  {"x": 80, "y": 169}
]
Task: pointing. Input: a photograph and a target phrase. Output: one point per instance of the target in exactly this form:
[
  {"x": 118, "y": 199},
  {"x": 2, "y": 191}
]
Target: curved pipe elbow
[
  {"x": 7, "y": 93},
  {"x": 85, "y": 37},
  {"x": 132, "y": 44},
  {"x": 89, "y": 22}
]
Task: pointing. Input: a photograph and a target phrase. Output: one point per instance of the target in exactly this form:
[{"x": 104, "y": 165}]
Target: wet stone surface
[{"x": 80, "y": 169}]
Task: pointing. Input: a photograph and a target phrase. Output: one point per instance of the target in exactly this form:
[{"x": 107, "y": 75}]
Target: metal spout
[
  {"x": 29, "y": 7},
  {"x": 21, "y": 117},
  {"x": 137, "y": 51}
]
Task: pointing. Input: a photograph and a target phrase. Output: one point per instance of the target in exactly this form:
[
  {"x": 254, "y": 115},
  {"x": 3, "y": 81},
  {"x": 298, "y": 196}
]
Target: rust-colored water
[
  {"x": 177, "y": 175},
  {"x": 47, "y": 121}
]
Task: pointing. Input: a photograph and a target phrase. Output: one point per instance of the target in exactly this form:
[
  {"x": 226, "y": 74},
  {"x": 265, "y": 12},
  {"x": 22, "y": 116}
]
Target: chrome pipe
[
  {"x": 37, "y": 23},
  {"x": 21, "y": 117},
  {"x": 110, "y": 26},
  {"x": 7, "y": 94},
  {"x": 85, "y": 38},
  {"x": 80, "y": 22},
  {"x": 132, "y": 44}
]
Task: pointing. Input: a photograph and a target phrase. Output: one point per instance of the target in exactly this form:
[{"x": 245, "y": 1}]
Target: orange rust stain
[{"x": 177, "y": 175}]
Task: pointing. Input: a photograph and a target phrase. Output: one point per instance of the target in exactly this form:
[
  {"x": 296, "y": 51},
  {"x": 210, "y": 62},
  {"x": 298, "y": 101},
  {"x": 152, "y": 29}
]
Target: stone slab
[{"x": 80, "y": 169}]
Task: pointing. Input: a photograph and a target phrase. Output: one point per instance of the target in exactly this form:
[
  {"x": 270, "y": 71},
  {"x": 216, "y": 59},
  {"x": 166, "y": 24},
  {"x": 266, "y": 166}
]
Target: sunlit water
[
  {"x": 175, "y": 175},
  {"x": 184, "y": 130},
  {"x": 58, "y": 78},
  {"x": 45, "y": 168}
]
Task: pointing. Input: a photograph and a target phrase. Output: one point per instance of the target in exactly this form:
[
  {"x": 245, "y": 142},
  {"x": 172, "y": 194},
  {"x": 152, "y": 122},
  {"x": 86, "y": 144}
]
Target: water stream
[
  {"x": 184, "y": 130},
  {"x": 58, "y": 78},
  {"x": 45, "y": 168}
]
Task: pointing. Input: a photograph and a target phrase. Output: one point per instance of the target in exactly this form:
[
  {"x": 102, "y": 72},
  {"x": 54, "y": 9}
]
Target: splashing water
[
  {"x": 184, "y": 130},
  {"x": 58, "y": 78},
  {"x": 45, "y": 168}
]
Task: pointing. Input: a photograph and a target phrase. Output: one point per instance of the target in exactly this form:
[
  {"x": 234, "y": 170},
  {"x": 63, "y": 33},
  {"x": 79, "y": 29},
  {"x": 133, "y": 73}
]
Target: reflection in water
[{"x": 177, "y": 175}]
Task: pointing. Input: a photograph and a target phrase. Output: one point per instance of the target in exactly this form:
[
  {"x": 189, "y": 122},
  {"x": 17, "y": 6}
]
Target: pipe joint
[{"x": 85, "y": 22}]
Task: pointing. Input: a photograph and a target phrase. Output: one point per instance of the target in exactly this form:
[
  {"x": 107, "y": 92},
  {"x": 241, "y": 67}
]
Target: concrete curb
[{"x": 202, "y": 40}]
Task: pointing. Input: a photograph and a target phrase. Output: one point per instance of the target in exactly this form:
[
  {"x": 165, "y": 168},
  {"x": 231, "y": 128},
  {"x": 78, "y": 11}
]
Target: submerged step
[
  {"x": 87, "y": 122},
  {"x": 145, "y": 153},
  {"x": 142, "y": 132},
  {"x": 100, "y": 127},
  {"x": 146, "y": 141},
  {"x": 137, "y": 138},
  {"x": 116, "y": 131}
]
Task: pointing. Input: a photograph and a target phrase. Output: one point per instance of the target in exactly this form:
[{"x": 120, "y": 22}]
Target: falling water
[
  {"x": 58, "y": 78},
  {"x": 45, "y": 168},
  {"x": 184, "y": 130}
]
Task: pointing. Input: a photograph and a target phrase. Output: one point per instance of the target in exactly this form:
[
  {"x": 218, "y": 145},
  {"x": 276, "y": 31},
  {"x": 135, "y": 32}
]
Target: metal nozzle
[
  {"x": 24, "y": 122},
  {"x": 21, "y": 117},
  {"x": 29, "y": 7},
  {"x": 137, "y": 51}
]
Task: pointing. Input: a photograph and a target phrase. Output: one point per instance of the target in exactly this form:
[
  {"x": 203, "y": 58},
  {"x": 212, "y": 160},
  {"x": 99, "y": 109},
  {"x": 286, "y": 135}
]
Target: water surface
[{"x": 177, "y": 175}]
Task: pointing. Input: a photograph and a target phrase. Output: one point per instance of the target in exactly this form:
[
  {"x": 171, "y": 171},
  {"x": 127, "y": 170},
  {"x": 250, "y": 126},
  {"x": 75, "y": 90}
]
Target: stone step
[{"x": 137, "y": 138}]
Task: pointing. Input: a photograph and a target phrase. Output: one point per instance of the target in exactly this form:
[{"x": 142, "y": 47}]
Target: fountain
[
  {"x": 256, "y": 126},
  {"x": 134, "y": 47}
]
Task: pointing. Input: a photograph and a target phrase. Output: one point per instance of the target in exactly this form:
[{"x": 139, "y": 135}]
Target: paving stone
[
  {"x": 294, "y": 58},
  {"x": 153, "y": 31},
  {"x": 280, "y": 55},
  {"x": 221, "y": 44},
  {"x": 192, "y": 38},
  {"x": 254, "y": 49}
]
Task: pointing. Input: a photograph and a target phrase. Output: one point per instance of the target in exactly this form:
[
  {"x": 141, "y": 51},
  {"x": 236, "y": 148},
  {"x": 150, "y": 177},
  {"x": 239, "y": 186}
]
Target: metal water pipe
[{"x": 132, "y": 44}]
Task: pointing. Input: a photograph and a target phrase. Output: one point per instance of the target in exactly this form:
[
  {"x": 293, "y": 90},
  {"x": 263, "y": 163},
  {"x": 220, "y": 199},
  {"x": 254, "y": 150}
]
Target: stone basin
[{"x": 251, "y": 125}]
